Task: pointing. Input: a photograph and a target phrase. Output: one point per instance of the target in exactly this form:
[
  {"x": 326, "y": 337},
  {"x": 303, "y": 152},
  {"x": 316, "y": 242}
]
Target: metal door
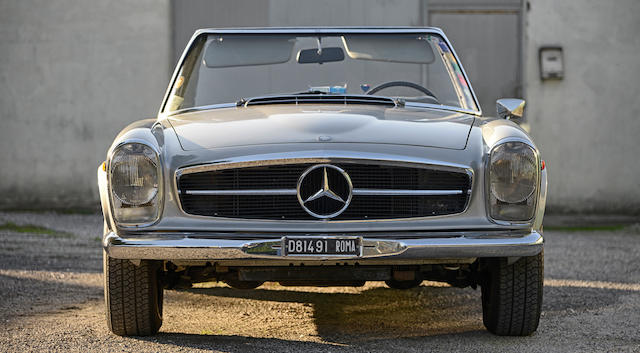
[{"x": 488, "y": 39}]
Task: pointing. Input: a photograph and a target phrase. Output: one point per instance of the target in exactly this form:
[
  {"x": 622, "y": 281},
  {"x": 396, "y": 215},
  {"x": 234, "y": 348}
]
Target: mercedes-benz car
[{"x": 323, "y": 157}]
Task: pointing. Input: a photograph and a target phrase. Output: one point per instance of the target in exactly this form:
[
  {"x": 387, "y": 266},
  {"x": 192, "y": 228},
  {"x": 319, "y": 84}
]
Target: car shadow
[
  {"x": 379, "y": 313},
  {"x": 238, "y": 343},
  {"x": 375, "y": 313}
]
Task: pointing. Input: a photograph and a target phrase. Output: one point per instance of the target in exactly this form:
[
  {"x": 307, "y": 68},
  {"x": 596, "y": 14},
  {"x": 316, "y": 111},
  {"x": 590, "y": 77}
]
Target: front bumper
[{"x": 378, "y": 250}]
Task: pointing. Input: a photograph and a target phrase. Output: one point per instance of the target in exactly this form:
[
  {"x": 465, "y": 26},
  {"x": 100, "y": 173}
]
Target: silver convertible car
[{"x": 323, "y": 157}]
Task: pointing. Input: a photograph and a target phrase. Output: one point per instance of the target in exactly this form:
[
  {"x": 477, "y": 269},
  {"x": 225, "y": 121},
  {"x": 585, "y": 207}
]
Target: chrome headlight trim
[
  {"x": 487, "y": 187},
  {"x": 159, "y": 196}
]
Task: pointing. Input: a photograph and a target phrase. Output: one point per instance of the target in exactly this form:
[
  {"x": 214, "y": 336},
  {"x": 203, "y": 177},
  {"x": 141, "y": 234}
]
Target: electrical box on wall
[{"x": 551, "y": 63}]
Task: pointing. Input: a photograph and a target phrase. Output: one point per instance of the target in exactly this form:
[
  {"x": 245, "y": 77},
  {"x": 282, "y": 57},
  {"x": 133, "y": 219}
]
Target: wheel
[
  {"x": 512, "y": 295},
  {"x": 395, "y": 284},
  {"x": 133, "y": 296},
  {"x": 238, "y": 284}
]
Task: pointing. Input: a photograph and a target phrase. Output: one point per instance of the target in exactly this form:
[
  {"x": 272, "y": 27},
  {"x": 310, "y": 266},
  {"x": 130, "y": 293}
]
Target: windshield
[{"x": 228, "y": 68}]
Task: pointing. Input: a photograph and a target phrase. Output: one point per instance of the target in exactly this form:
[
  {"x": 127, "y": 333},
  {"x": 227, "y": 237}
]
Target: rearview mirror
[
  {"x": 314, "y": 56},
  {"x": 510, "y": 109}
]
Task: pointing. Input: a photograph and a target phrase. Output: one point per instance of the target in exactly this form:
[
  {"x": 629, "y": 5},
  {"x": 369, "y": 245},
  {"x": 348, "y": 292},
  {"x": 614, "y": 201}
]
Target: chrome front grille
[{"x": 380, "y": 191}]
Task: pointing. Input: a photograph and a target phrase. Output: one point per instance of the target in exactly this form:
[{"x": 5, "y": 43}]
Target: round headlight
[
  {"x": 134, "y": 174},
  {"x": 513, "y": 172}
]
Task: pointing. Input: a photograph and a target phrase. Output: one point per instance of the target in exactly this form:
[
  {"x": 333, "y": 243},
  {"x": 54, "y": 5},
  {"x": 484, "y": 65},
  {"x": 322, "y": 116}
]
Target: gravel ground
[{"x": 51, "y": 290}]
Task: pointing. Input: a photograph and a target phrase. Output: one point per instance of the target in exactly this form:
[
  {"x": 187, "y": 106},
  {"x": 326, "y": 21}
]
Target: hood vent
[{"x": 319, "y": 99}]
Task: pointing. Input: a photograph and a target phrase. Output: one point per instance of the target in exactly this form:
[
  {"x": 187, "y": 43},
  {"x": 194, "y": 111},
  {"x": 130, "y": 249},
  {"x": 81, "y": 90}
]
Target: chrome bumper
[{"x": 378, "y": 250}]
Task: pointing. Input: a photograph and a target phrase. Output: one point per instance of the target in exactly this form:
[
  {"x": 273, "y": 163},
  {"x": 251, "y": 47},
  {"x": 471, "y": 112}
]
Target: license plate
[{"x": 348, "y": 246}]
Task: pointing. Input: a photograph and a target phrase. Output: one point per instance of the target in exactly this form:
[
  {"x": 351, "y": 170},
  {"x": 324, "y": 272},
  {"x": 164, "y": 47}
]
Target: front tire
[
  {"x": 133, "y": 296},
  {"x": 512, "y": 295}
]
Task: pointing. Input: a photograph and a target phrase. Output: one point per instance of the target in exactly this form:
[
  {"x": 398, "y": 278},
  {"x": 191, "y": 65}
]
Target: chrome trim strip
[
  {"x": 241, "y": 192},
  {"x": 381, "y": 250},
  {"x": 400, "y": 192},
  {"x": 420, "y": 105},
  {"x": 245, "y": 163},
  {"x": 395, "y": 235},
  {"x": 203, "y": 107},
  {"x": 363, "y": 192}
]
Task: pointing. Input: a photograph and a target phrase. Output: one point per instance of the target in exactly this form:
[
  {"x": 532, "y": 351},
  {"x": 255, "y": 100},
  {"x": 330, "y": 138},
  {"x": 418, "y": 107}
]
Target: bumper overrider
[{"x": 203, "y": 247}]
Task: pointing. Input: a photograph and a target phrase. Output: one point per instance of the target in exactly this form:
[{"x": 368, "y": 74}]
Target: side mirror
[{"x": 510, "y": 108}]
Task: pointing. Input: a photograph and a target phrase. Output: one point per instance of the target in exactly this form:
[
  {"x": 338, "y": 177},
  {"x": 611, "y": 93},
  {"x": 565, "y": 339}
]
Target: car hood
[{"x": 277, "y": 124}]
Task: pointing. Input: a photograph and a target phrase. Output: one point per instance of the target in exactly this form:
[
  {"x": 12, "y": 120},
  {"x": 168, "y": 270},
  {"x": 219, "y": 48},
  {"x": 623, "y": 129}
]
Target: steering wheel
[{"x": 401, "y": 84}]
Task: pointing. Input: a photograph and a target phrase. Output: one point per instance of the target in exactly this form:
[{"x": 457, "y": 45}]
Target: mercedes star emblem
[{"x": 324, "y": 191}]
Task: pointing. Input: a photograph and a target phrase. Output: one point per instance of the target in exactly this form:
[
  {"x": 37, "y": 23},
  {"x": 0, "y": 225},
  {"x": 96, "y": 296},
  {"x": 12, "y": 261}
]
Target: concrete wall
[
  {"x": 588, "y": 124},
  {"x": 72, "y": 74},
  {"x": 345, "y": 13},
  {"x": 191, "y": 15}
]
